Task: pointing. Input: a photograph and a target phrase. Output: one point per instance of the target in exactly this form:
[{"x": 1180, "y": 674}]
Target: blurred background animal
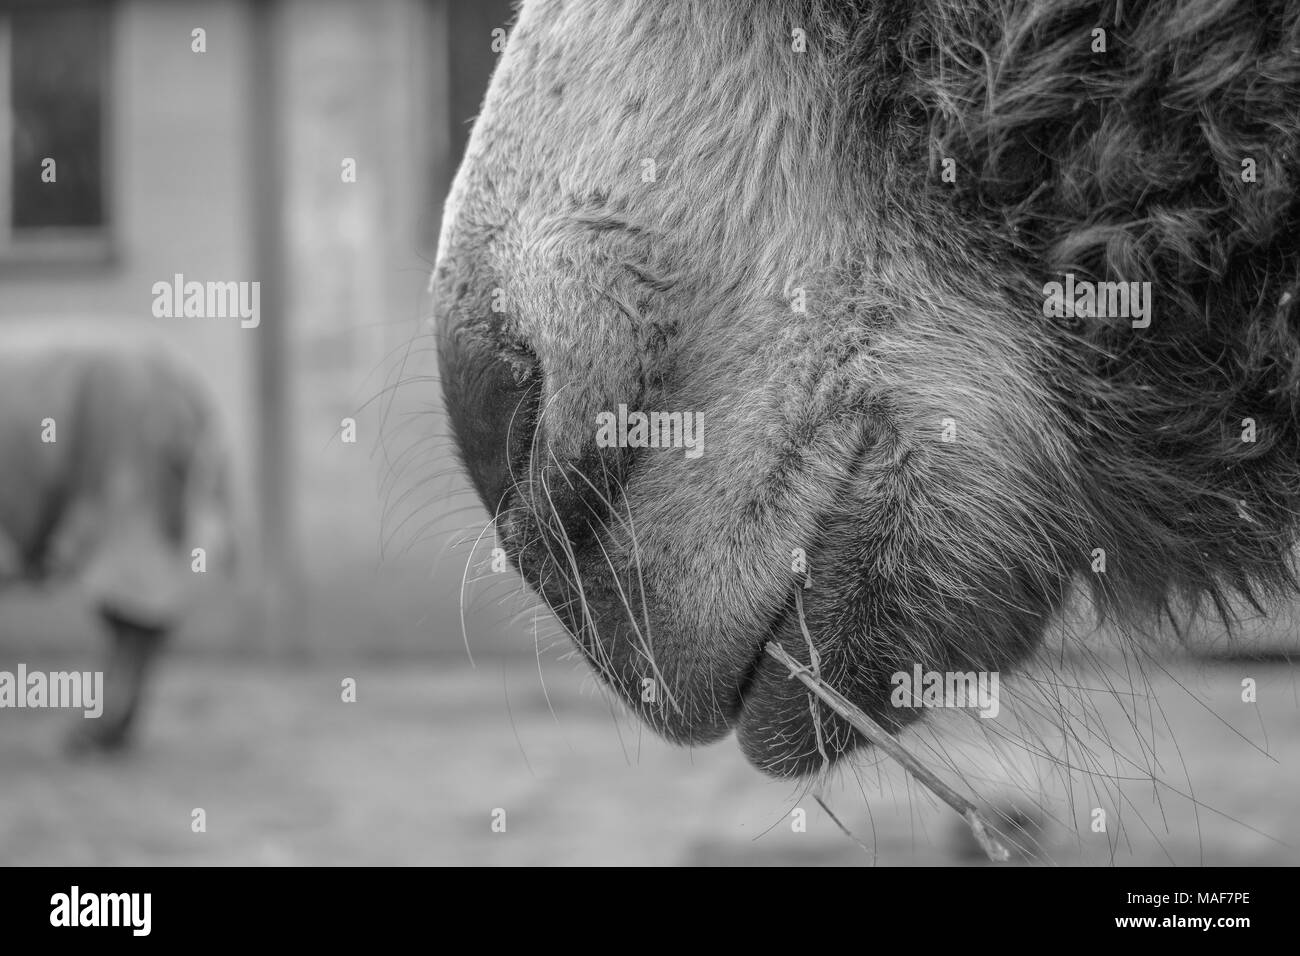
[{"x": 112, "y": 476}]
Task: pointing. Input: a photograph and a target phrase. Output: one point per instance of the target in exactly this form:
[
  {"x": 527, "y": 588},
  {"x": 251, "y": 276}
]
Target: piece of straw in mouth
[{"x": 886, "y": 741}]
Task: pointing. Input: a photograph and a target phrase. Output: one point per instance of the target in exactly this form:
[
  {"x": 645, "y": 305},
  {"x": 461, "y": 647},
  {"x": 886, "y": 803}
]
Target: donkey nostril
[{"x": 493, "y": 392}]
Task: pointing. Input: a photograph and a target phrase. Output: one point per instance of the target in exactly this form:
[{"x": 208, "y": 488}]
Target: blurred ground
[{"x": 411, "y": 773}]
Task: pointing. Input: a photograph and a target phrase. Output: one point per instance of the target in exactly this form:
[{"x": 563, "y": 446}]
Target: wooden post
[{"x": 281, "y": 609}]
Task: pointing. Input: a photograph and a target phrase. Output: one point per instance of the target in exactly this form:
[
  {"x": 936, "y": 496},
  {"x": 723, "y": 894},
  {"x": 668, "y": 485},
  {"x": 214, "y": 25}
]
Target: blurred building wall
[
  {"x": 374, "y": 82},
  {"x": 355, "y": 87}
]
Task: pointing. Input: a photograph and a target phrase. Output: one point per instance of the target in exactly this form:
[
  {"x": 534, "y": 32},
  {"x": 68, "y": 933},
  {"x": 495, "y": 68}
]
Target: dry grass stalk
[{"x": 864, "y": 725}]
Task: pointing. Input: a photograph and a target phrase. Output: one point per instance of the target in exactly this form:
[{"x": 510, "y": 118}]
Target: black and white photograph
[{"x": 650, "y": 433}]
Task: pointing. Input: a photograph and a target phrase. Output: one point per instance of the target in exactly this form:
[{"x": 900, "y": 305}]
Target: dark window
[{"x": 57, "y": 55}]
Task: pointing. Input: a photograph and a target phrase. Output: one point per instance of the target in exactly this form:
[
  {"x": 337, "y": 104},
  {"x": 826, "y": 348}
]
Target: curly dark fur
[{"x": 1126, "y": 165}]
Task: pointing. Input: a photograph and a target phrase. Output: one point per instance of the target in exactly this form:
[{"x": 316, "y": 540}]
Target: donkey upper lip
[{"x": 747, "y": 677}]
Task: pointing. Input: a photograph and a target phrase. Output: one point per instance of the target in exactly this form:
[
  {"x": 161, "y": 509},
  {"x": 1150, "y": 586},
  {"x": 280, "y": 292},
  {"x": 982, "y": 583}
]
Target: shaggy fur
[
  {"x": 780, "y": 171},
  {"x": 1127, "y": 165}
]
